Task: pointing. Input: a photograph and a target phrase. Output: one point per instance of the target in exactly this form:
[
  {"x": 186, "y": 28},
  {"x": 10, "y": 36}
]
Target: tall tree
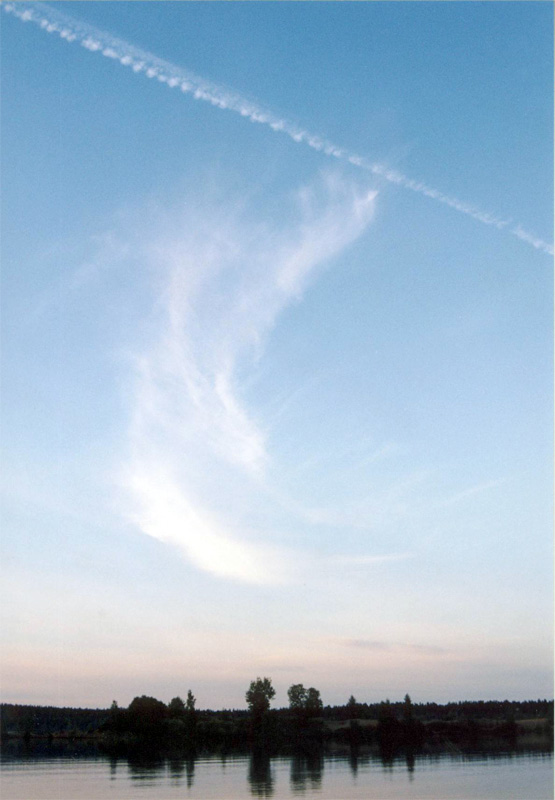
[
  {"x": 258, "y": 696},
  {"x": 176, "y": 707},
  {"x": 146, "y": 715},
  {"x": 313, "y": 703},
  {"x": 352, "y": 708},
  {"x": 190, "y": 713},
  {"x": 297, "y": 698},
  {"x": 304, "y": 703},
  {"x": 407, "y": 708},
  {"x": 191, "y": 700}
]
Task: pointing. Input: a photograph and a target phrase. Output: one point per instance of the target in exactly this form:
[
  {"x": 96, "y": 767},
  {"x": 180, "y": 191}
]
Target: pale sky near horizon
[{"x": 277, "y": 350}]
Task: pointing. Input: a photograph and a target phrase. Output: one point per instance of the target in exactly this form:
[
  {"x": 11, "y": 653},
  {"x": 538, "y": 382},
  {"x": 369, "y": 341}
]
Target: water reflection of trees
[
  {"x": 410, "y": 765},
  {"x": 260, "y": 775},
  {"x": 144, "y": 767},
  {"x": 182, "y": 766},
  {"x": 358, "y": 758},
  {"x": 306, "y": 772},
  {"x": 141, "y": 767},
  {"x": 353, "y": 760},
  {"x": 176, "y": 768}
]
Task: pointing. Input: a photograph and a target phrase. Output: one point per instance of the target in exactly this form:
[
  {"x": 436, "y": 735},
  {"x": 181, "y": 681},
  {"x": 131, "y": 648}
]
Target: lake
[{"x": 68, "y": 773}]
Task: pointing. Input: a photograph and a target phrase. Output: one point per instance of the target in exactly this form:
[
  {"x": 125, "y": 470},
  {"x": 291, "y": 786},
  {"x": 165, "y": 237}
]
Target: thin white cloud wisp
[{"x": 198, "y": 453}]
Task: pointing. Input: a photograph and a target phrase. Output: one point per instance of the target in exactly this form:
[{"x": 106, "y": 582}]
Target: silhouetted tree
[
  {"x": 413, "y": 729},
  {"x": 313, "y": 703},
  {"x": 407, "y": 708},
  {"x": 305, "y": 703},
  {"x": 385, "y": 711},
  {"x": 190, "y": 714},
  {"x": 117, "y": 719},
  {"x": 146, "y": 715},
  {"x": 190, "y": 704},
  {"x": 176, "y": 707},
  {"x": 259, "y": 695},
  {"x": 389, "y": 730},
  {"x": 297, "y": 699},
  {"x": 352, "y": 708}
]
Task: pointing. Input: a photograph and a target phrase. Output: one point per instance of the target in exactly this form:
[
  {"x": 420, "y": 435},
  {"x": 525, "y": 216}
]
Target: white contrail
[{"x": 128, "y": 55}]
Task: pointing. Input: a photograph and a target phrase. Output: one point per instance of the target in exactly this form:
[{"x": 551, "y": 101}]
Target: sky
[{"x": 277, "y": 350}]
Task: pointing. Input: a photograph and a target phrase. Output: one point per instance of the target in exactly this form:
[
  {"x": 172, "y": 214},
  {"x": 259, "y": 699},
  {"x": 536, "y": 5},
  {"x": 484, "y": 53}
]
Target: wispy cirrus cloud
[
  {"x": 173, "y": 76},
  {"x": 197, "y": 452}
]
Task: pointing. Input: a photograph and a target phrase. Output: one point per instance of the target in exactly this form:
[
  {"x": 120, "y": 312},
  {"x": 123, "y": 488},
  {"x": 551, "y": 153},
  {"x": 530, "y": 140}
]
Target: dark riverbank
[{"x": 147, "y": 726}]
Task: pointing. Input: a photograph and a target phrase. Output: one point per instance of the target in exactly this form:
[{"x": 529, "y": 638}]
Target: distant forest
[
  {"x": 305, "y": 723},
  {"x": 17, "y": 719}
]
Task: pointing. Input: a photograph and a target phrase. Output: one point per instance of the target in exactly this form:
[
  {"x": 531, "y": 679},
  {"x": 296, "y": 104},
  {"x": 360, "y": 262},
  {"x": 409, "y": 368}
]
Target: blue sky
[{"x": 277, "y": 325}]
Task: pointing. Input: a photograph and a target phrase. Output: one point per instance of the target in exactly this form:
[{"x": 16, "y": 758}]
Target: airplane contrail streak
[{"x": 140, "y": 61}]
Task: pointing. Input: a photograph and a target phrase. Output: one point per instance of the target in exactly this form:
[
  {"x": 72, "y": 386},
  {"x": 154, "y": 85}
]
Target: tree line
[{"x": 304, "y": 723}]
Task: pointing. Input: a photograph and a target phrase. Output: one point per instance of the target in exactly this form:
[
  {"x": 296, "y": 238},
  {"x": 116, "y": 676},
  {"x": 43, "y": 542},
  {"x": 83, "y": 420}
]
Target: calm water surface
[{"x": 74, "y": 776}]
